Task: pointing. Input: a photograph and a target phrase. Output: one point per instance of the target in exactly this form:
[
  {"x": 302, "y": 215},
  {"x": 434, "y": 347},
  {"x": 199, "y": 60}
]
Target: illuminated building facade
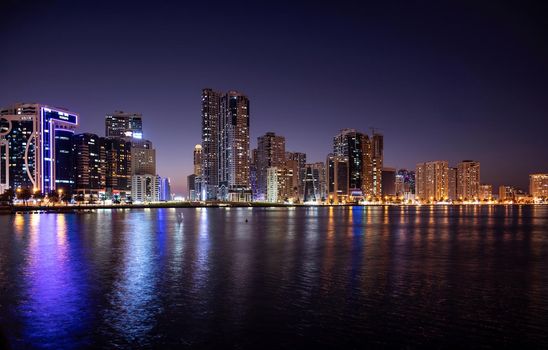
[
  {"x": 211, "y": 114},
  {"x": 234, "y": 147},
  {"x": 143, "y": 158},
  {"x": 279, "y": 184},
  {"x": 337, "y": 178},
  {"x": 353, "y": 144},
  {"x": 507, "y": 193},
  {"x": 405, "y": 182},
  {"x": 485, "y": 192},
  {"x": 538, "y": 185},
  {"x": 145, "y": 188},
  {"x": 468, "y": 179},
  {"x": 314, "y": 183},
  {"x": 377, "y": 161},
  {"x": 36, "y": 149},
  {"x": 124, "y": 125},
  {"x": 299, "y": 159},
  {"x": 270, "y": 153},
  {"x": 165, "y": 189},
  {"x": 432, "y": 180},
  {"x": 90, "y": 161},
  {"x": 193, "y": 193},
  {"x": 197, "y": 158},
  {"x": 452, "y": 191},
  {"x": 118, "y": 166}
]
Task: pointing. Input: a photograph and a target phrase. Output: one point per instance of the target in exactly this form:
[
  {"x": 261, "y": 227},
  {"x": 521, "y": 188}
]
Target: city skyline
[{"x": 459, "y": 93}]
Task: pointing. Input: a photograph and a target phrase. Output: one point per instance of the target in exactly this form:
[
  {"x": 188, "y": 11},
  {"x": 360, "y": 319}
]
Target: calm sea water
[{"x": 286, "y": 278}]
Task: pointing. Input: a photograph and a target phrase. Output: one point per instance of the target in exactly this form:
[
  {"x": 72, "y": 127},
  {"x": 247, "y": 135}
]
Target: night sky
[{"x": 459, "y": 80}]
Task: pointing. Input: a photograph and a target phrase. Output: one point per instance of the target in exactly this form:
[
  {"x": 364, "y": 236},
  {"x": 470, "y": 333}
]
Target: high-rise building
[
  {"x": 198, "y": 160},
  {"x": 253, "y": 176},
  {"x": 337, "y": 178},
  {"x": 145, "y": 188},
  {"x": 353, "y": 145},
  {"x": 143, "y": 158},
  {"x": 234, "y": 147},
  {"x": 36, "y": 149},
  {"x": 279, "y": 184},
  {"x": 211, "y": 114},
  {"x": 432, "y": 181},
  {"x": 90, "y": 162},
  {"x": 270, "y": 153},
  {"x": 389, "y": 181},
  {"x": 118, "y": 166},
  {"x": 300, "y": 162},
  {"x": 452, "y": 190},
  {"x": 485, "y": 192},
  {"x": 314, "y": 183},
  {"x": 377, "y": 161},
  {"x": 468, "y": 179},
  {"x": 124, "y": 125},
  {"x": 538, "y": 185},
  {"x": 193, "y": 193},
  {"x": 165, "y": 189}
]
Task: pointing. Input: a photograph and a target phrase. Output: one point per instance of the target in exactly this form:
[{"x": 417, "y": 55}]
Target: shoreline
[{"x": 10, "y": 210}]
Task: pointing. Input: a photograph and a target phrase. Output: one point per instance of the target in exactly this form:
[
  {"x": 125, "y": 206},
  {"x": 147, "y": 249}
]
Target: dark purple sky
[{"x": 453, "y": 81}]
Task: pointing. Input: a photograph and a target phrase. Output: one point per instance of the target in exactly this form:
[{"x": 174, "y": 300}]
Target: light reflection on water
[{"x": 384, "y": 276}]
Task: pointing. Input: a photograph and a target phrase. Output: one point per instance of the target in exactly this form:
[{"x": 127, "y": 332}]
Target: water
[{"x": 351, "y": 276}]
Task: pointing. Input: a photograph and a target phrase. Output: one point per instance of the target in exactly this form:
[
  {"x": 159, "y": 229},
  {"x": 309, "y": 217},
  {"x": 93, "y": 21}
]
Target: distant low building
[
  {"x": 507, "y": 193},
  {"x": 145, "y": 188}
]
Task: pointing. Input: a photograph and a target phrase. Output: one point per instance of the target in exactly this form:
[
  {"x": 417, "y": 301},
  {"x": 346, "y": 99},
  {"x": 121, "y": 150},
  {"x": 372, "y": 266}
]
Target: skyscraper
[
  {"x": 300, "y": 162},
  {"x": 36, "y": 149},
  {"x": 125, "y": 125},
  {"x": 452, "y": 190},
  {"x": 337, "y": 178},
  {"x": 165, "y": 189},
  {"x": 270, "y": 153},
  {"x": 468, "y": 179},
  {"x": 279, "y": 184},
  {"x": 143, "y": 158},
  {"x": 118, "y": 166},
  {"x": 211, "y": 113},
  {"x": 194, "y": 180},
  {"x": 234, "y": 147},
  {"x": 253, "y": 180},
  {"x": 193, "y": 192},
  {"x": 432, "y": 181},
  {"x": 388, "y": 181},
  {"x": 197, "y": 160},
  {"x": 90, "y": 162},
  {"x": 314, "y": 183},
  {"x": 538, "y": 185},
  {"x": 377, "y": 161},
  {"x": 352, "y": 144}
]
